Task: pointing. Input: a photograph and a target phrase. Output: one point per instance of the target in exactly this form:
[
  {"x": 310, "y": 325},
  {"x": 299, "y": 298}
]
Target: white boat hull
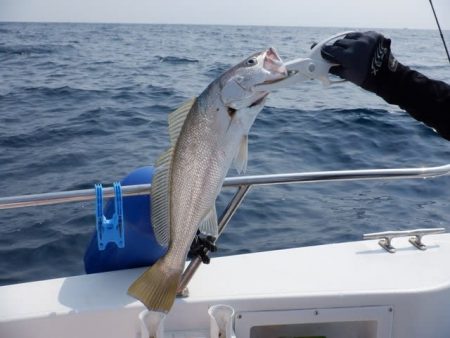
[{"x": 339, "y": 290}]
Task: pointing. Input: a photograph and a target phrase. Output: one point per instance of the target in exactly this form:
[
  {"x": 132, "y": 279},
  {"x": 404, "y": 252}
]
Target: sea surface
[{"x": 87, "y": 103}]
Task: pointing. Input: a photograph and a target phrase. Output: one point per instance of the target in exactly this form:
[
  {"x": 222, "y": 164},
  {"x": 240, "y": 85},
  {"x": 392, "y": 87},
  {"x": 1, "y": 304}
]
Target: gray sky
[{"x": 338, "y": 13}]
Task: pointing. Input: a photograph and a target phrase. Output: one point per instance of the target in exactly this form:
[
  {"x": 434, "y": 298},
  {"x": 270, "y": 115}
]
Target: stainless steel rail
[
  {"x": 68, "y": 196},
  {"x": 244, "y": 183},
  {"x": 143, "y": 189}
]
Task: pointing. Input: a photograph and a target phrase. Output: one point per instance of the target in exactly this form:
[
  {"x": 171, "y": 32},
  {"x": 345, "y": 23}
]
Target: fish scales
[{"x": 207, "y": 135}]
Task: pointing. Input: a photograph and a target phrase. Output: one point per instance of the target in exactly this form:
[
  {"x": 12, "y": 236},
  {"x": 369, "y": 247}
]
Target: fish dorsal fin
[
  {"x": 208, "y": 225},
  {"x": 160, "y": 190},
  {"x": 160, "y": 198},
  {"x": 177, "y": 118},
  {"x": 240, "y": 161}
]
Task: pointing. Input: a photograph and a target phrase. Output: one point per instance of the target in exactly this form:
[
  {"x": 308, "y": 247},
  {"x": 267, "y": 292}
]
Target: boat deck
[{"x": 404, "y": 294}]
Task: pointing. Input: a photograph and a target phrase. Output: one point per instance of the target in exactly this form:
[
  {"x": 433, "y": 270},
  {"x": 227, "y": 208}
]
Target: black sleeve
[{"x": 424, "y": 99}]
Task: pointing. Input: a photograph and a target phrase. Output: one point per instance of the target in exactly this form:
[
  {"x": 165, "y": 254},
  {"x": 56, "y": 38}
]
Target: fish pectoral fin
[
  {"x": 208, "y": 226},
  {"x": 240, "y": 161},
  {"x": 157, "y": 287}
]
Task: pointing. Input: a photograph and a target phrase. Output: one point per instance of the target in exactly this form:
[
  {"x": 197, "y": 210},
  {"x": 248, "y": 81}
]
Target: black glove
[{"x": 363, "y": 58}]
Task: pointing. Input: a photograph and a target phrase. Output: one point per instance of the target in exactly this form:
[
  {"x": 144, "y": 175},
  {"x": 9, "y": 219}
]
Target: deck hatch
[{"x": 353, "y": 322}]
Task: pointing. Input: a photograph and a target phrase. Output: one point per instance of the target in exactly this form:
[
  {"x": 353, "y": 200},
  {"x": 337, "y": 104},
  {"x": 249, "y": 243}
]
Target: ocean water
[{"x": 88, "y": 103}]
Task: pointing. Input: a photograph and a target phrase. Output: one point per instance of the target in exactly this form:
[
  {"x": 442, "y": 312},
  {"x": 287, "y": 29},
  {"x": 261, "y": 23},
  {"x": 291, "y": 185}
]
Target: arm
[
  {"x": 365, "y": 59},
  {"x": 424, "y": 99}
]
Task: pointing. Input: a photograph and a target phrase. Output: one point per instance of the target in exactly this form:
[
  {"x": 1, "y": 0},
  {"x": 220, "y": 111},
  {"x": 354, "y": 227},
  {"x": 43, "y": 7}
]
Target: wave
[
  {"x": 175, "y": 59},
  {"x": 105, "y": 62},
  {"x": 34, "y": 49},
  {"x": 159, "y": 92},
  {"x": 63, "y": 91},
  {"x": 89, "y": 123},
  {"x": 39, "y": 137},
  {"x": 217, "y": 69}
]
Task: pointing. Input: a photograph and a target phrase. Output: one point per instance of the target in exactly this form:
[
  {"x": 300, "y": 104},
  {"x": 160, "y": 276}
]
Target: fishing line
[{"x": 440, "y": 30}]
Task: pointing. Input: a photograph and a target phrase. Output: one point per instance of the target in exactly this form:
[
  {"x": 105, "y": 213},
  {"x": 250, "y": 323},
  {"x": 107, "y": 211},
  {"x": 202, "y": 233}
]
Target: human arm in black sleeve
[{"x": 366, "y": 60}]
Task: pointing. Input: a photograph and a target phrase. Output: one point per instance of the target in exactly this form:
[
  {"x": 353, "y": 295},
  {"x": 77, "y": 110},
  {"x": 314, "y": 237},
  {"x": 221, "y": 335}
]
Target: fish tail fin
[{"x": 156, "y": 288}]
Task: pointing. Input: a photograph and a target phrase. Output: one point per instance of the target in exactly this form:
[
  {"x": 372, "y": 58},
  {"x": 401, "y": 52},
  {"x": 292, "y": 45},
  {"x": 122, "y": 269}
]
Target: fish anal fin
[
  {"x": 156, "y": 288},
  {"x": 208, "y": 225},
  {"x": 240, "y": 161}
]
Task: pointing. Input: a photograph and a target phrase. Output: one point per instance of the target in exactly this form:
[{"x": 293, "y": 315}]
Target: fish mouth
[
  {"x": 275, "y": 80},
  {"x": 259, "y": 101},
  {"x": 275, "y": 66},
  {"x": 272, "y": 59}
]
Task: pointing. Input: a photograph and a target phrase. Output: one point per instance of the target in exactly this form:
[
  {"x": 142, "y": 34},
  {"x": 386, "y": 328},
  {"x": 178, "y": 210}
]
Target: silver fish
[{"x": 207, "y": 135}]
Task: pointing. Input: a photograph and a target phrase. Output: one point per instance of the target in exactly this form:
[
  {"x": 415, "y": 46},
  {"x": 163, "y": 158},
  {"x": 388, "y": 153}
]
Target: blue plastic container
[{"x": 141, "y": 247}]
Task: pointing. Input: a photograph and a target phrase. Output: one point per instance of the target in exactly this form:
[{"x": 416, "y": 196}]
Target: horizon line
[{"x": 212, "y": 24}]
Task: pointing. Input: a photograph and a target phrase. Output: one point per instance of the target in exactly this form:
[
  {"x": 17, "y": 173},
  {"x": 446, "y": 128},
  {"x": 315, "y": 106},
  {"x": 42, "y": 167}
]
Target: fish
[{"x": 207, "y": 134}]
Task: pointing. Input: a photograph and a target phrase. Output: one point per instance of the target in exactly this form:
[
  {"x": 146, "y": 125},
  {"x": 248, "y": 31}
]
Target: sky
[{"x": 326, "y": 13}]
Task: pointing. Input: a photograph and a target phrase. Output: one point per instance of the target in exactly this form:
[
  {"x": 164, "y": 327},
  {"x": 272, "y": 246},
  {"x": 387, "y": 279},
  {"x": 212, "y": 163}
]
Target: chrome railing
[
  {"x": 144, "y": 189},
  {"x": 243, "y": 183}
]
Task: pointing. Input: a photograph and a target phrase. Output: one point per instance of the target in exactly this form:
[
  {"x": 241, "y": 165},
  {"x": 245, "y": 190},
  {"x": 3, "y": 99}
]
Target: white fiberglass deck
[{"x": 406, "y": 294}]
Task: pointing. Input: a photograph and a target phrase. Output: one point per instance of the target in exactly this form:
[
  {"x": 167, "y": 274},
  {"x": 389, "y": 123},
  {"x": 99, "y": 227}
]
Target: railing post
[{"x": 224, "y": 219}]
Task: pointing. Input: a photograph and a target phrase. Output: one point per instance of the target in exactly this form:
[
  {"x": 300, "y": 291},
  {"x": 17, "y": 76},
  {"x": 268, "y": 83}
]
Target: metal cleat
[{"x": 416, "y": 239}]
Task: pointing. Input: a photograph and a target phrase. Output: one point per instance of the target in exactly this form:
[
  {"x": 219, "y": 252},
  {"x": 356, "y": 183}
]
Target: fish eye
[{"x": 251, "y": 62}]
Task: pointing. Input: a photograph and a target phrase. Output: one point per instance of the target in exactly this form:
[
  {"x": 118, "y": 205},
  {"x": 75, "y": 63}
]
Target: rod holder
[
  {"x": 221, "y": 321},
  {"x": 109, "y": 230},
  {"x": 151, "y": 324}
]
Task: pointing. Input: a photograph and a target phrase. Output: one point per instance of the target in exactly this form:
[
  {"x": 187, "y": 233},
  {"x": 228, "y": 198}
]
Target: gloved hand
[{"x": 363, "y": 58}]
